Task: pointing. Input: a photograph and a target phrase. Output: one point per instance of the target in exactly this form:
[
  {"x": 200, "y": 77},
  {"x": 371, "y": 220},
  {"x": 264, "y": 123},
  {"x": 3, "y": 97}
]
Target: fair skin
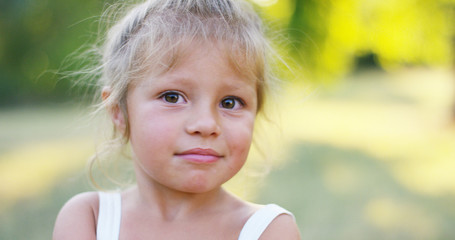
[{"x": 190, "y": 132}]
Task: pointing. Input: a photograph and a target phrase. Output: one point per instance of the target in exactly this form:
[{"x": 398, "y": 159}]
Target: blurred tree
[
  {"x": 328, "y": 38},
  {"x": 35, "y": 38}
]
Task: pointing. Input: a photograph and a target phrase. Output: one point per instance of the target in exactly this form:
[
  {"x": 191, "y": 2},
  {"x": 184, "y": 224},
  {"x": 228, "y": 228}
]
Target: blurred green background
[{"x": 363, "y": 138}]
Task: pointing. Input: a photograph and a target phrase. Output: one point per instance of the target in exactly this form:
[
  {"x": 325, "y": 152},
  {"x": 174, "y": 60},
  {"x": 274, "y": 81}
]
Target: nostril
[{"x": 204, "y": 129}]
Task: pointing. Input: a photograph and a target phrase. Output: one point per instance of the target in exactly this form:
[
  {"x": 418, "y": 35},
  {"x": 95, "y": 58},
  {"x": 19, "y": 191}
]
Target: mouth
[{"x": 200, "y": 155}]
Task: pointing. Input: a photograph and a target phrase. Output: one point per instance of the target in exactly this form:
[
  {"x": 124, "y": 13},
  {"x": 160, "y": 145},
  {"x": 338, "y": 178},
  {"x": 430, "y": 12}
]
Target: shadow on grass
[
  {"x": 34, "y": 218},
  {"x": 342, "y": 194}
]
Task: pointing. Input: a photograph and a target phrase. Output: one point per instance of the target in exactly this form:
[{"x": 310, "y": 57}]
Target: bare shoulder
[
  {"x": 77, "y": 218},
  {"x": 282, "y": 227}
]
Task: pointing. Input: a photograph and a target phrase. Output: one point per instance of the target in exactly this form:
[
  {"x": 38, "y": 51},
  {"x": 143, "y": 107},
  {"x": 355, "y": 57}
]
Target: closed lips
[{"x": 200, "y": 155}]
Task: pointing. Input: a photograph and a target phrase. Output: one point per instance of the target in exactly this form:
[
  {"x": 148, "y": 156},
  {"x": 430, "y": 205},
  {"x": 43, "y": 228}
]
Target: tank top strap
[
  {"x": 109, "y": 216},
  {"x": 260, "y": 220}
]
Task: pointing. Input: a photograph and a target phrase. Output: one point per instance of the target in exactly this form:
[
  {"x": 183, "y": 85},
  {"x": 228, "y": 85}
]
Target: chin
[{"x": 200, "y": 185}]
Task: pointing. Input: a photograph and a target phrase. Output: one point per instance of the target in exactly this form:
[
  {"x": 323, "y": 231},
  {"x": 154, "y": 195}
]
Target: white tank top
[{"x": 110, "y": 209}]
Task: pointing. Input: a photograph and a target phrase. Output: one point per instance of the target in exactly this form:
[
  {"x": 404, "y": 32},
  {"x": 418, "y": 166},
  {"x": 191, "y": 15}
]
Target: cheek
[
  {"x": 240, "y": 139},
  {"x": 150, "y": 132}
]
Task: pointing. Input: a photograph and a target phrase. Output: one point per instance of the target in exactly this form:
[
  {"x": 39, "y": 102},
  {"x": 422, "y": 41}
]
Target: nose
[{"x": 203, "y": 121}]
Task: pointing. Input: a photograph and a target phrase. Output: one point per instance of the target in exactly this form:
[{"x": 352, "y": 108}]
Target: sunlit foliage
[{"x": 331, "y": 38}]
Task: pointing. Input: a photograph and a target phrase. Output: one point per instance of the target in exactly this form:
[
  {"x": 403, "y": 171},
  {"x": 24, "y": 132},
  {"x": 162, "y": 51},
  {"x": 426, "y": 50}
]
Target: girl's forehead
[
  {"x": 203, "y": 46},
  {"x": 217, "y": 52},
  {"x": 190, "y": 51},
  {"x": 200, "y": 61}
]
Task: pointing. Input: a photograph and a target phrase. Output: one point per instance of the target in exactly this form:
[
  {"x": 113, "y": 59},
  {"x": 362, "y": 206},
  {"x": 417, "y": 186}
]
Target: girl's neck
[{"x": 170, "y": 204}]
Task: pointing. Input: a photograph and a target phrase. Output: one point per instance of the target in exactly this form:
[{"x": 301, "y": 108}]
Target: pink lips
[{"x": 200, "y": 155}]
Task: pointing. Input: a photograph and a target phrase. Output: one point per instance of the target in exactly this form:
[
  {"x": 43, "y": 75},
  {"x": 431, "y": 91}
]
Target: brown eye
[
  {"x": 228, "y": 103},
  {"x": 232, "y": 103},
  {"x": 172, "y": 97}
]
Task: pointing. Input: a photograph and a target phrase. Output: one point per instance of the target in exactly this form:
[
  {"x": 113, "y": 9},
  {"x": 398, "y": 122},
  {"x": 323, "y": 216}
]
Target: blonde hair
[{"x": 149, "y": 38}]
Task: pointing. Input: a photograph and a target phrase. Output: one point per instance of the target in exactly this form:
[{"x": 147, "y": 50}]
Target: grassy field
[{"x": 370, "y": 158}]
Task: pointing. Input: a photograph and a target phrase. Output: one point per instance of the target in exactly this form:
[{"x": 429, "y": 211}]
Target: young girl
[{"x": 183, "y": 81}]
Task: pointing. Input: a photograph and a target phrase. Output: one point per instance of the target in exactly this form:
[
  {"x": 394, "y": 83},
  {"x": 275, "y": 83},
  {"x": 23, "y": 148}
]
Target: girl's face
[{"x": 191, "y": 127}]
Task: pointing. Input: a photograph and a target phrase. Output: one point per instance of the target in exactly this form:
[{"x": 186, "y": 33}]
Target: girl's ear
[{"x": 114, "y": 110}]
